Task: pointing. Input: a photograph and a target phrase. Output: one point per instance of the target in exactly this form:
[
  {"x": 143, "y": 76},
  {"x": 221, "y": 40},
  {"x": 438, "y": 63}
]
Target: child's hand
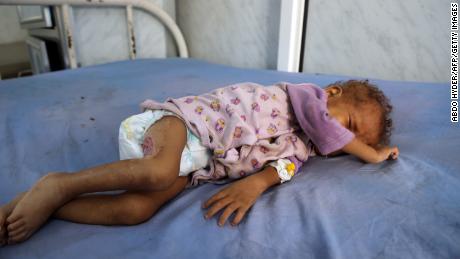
[
  {"x": 385, "y": 153},
  {"x": 238, "y": 197},
  {"x": 369, "y": 154}
]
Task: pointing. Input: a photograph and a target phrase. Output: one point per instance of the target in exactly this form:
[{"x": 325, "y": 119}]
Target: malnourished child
[{"x": 256, "y": 134}]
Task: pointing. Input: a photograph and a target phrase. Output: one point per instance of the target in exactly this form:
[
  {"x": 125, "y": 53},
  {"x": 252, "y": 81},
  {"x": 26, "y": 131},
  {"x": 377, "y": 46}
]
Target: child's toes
[
  {"x": 2, "y": 230},
  {"x": 2, "y": 222},
  {"x": 3, "y": 239},
  {"x": 17, "y": 231},
  {"x": 2, "y": 225},
  {"x": 22, "y": 236},
  {"x": 12, "y": 218},
  {"x": 11, "y": 227}
]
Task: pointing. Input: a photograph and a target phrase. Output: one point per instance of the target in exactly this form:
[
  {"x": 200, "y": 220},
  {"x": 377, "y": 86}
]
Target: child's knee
[
  {"x": 135, "y": 210},
  {"x": 160, "y": 173}
]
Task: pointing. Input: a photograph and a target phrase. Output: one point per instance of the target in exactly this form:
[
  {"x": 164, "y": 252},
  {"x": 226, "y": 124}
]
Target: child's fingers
[
  {"x": 214, "y": 198},
  {"x": 394, "y": 153},
  {"x": 227, "y": 212},
  {"x": 239, "y": 216},
  {"x": 217, "y": 206}
]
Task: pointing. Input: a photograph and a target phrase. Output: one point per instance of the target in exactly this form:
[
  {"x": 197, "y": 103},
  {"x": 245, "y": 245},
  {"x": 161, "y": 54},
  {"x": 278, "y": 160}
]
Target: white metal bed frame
[{"x": 145, "y": 5}]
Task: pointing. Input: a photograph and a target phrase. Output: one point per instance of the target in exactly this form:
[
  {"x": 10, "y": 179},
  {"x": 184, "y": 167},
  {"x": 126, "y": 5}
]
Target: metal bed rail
[{"x": 145, "y": 5}]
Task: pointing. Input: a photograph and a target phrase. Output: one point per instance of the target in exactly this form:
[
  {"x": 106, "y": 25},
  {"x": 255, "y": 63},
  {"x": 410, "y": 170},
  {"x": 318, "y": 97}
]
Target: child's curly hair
[{"x": 361, "y": 91}]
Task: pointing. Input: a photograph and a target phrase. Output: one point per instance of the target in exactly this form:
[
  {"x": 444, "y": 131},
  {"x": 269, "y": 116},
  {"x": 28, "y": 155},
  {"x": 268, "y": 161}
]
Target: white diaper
[{"x": 194, "y": 156}]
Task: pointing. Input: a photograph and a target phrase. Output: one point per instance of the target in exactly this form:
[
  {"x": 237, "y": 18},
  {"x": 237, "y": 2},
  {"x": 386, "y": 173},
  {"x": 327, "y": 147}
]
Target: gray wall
[
  {"x": 392, "y": 39},
  {"x": 10, "y": 31},
  {"x": 242, "y": 33},
  {"x": 101, "y": 34}
]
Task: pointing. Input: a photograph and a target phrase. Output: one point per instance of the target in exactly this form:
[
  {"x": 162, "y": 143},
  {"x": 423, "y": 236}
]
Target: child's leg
[
  {"x": 129, "y": 208},
  {"x": 156, "y": 171}
]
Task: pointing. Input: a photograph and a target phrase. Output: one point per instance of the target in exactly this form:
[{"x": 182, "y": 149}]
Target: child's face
[{"x": 363, "y": 121}]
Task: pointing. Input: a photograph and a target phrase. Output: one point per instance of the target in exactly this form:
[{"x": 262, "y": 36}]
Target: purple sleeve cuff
[{"x": 338, "y": 143}]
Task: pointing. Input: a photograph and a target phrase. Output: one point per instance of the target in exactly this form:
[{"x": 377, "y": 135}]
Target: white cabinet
[
  {"x": 46, "y": 41},
  {"x": 35, "y": 16}
]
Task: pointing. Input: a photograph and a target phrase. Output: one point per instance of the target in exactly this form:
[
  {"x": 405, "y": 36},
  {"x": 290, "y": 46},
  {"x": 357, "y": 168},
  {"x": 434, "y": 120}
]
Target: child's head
[{"x": 362, "y": 108}]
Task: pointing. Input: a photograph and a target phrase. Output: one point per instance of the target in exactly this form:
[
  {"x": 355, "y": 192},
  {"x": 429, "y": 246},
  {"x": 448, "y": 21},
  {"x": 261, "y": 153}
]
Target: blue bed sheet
[{"x": 335, "y": 208}]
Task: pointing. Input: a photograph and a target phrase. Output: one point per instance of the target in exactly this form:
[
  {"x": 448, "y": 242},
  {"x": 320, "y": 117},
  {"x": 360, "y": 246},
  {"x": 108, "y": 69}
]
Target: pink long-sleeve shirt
[{"x": 247, "y": 125}]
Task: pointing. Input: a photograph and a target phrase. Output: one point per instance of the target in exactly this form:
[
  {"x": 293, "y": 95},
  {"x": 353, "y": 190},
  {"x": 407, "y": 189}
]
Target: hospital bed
[{"x": 334, "y": 208}]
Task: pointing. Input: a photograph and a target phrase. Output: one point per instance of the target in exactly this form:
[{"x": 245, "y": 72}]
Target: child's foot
[
  {"x": 35, "y": 208},
  {"x": 5, "y": 211}
]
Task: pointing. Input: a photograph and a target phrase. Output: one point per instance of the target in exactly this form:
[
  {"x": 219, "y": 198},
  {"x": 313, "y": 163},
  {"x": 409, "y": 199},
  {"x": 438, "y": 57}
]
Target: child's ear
[{"x": 333, "y": 91}]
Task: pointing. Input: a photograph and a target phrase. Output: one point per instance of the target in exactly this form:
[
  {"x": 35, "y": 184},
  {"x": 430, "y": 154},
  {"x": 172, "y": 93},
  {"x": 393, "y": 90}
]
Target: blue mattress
[{"x": 335, "y": 208}]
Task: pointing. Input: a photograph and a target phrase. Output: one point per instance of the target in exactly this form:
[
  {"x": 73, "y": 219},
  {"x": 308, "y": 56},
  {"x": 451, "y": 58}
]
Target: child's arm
[
  {"x": 368, "y": 153},
  {"x": 240, "y": 195}
]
